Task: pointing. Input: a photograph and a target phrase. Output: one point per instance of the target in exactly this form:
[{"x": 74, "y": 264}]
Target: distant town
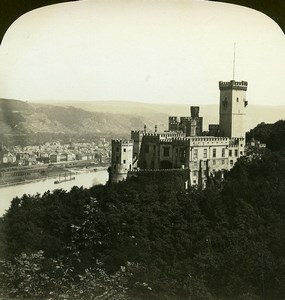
[{"x": 28, "y": 163}]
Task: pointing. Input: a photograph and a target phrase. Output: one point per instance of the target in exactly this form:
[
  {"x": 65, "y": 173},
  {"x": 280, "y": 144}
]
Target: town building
[{"x": 184, "y": 145}]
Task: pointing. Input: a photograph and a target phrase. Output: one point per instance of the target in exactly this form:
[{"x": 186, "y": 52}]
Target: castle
[{"x": 184, "y": 146}]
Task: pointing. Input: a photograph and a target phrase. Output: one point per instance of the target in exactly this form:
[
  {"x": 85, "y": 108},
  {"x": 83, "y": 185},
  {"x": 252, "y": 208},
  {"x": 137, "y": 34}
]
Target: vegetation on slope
[
  {"x": 24, "y": 123},
  {"x": 273, "y": 135},
  {"x": 148, "y": 238}
]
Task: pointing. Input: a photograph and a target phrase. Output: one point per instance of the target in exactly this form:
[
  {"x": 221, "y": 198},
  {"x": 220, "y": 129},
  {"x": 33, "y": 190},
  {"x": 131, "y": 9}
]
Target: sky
[{"x": 155, "y": 51}]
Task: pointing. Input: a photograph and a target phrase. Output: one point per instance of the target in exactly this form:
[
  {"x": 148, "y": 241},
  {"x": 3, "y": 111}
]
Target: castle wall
[
  {"x": 166, "y": 154},
  {"x": 207, "y": 155}
]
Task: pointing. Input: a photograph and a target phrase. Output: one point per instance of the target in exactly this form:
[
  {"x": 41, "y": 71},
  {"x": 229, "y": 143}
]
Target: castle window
[
  {"x": 195, "y": 163},
  {"x": 240, "y": 152},
  {"x": 223, "y": 161},
  {"x": 195, "y": 153},
  {"x": 236, "y": 152},
  {"x": 205, "y": 153},
  {"x": 124, "y": 149},
  {"x": 165, "y": 151},
  {"x": 214, "y": 152},
  {"x": 230, "y": 152},
  {"x": 184, "y": 153},
  {"x": 231, "y": 162},
  {"x": 124, "y": 161},
  {"x": 237, "y": 99},
  {"x": 223, "y": 152}
]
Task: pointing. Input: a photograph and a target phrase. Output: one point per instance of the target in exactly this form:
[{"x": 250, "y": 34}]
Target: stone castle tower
[
  {"x": 232, "y": 108},
  {"x": 122, "y": 160}
]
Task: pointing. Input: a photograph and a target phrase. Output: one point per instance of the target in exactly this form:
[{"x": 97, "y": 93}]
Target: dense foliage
[
  {"x": 148, "y": 238},
  {"x": 273, "y": 135}
]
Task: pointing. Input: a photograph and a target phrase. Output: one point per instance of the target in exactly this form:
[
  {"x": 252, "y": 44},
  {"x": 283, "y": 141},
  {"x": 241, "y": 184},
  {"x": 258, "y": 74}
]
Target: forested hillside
[
  {"x": 148, "y": 238},
  {"x": 27, "y": 123},
  {"x": 273, "y": 135}
]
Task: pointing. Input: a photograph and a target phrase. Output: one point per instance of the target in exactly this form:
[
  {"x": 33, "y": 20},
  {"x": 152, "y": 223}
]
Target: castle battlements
[
  {"x": 240, "y": 85},
  {"x": 166, "y": 141},
  {"x": 209, "y": 142},
  {"x": 150, "y": 134},
  {"x": 122, "y": 142},
  {"x": 134, "y": 171},
  {"x": 171, "y": 135},
  {"x": 137, "y": 131},
  {"x": 208, "y": 138},
  {"x": 235, "y": 142},
  {"x": 235, "y": 146},
  {"x": 181, "y": 139}
]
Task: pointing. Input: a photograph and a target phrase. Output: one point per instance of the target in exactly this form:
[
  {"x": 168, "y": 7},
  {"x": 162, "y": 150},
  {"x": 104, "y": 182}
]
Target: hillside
[
  {"x": 255, "y": 113},
  {"x": 20, "y": 118}
]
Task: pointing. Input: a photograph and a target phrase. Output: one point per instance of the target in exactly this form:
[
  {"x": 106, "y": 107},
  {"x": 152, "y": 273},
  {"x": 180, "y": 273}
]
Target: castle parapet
[
  {"x": 137, "y": 131},
  {"x": 236, "y": 85},
  {"x": 210, "y": 140},
  {"x": 122, "y": 142},
  {"x": 236, "y": 142}
]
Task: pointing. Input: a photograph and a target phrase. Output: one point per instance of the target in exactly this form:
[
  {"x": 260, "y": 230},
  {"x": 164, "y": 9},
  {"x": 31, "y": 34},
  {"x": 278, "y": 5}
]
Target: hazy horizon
[{"x": 149, "y": 52}]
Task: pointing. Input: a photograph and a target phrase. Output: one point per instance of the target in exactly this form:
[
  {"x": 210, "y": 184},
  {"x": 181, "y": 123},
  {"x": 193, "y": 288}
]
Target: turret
[
  {"x": 121, "y": 161},
  {"x": 194, "y": 111},
  {"x": 173, "y": 123}
]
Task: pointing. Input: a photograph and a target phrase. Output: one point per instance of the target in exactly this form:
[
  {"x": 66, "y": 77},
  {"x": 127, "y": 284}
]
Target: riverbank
[
  {"x": 25, "y": 175},
  {"x": 86, "y": 180}
]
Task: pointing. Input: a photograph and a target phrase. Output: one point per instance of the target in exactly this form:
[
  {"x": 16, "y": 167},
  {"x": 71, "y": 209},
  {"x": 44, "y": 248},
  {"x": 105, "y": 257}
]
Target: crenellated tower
[
  {"x": 122, "y": 160},
  {"x": 232, "y": 108}
]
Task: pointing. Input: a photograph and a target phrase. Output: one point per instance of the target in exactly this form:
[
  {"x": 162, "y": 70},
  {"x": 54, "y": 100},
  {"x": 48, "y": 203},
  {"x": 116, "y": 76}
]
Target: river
[{"x": 84, "y": 179}]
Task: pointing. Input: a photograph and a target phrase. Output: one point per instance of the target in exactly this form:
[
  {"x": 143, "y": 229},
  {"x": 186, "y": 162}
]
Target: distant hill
[
  {"x": 160, "y": 112},
  {"x": 111, "y": 118},
  {"x": 18, "y": 117}
]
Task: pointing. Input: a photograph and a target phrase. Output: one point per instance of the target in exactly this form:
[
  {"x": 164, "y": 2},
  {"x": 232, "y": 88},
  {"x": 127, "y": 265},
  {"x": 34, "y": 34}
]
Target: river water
[{"x": 84, "y": 179}]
